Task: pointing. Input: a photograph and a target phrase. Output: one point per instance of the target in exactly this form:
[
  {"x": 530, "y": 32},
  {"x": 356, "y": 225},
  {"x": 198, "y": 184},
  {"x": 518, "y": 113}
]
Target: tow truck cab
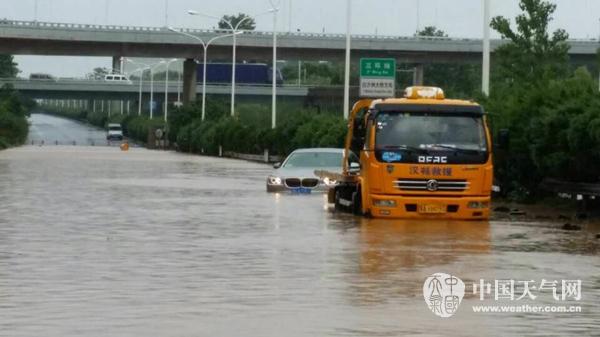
[{"x": 421, "y": 156}]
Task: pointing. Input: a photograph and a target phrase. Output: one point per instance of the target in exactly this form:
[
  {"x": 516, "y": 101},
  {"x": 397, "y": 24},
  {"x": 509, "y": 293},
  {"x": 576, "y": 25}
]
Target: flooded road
[
  {"x": 99, "y": 242},
  {"x": 48, "y": 129}
]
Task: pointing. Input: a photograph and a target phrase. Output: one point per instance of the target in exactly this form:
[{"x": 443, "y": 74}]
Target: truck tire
[{"x": 357, "y": 202}]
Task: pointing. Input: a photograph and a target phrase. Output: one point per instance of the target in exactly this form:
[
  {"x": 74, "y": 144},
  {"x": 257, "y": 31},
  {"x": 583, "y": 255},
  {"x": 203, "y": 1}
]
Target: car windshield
[
  {"x": 430, "y": 131},
  {"x": 314, "y": 159},
  {"x": 114, "y": 128}
]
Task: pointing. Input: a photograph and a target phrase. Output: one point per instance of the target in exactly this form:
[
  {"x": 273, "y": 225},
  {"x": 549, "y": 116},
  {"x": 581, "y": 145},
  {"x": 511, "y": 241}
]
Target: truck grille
[{"x": 432, "y": 185}]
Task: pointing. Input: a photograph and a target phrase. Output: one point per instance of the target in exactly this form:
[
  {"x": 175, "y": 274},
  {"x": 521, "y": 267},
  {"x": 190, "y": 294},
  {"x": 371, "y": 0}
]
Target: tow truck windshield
[{"x": 460, "y": 137}]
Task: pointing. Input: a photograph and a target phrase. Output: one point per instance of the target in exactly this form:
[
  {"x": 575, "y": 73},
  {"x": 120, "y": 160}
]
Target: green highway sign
[
  {"x": 377, "y": 77},
  {"x": 373, "y": 67}
]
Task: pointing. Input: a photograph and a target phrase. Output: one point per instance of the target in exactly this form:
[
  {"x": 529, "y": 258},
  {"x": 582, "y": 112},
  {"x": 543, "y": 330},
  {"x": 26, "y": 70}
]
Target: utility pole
[
  {"x": 347, "y": 65},
  {"x": 485, "y": 76}
]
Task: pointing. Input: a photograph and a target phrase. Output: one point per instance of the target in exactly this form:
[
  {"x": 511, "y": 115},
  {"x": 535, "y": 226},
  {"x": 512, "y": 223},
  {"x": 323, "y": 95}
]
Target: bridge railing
[
  {"x": 157, "y": 83},
  {"x": 307, "y": 35},
  {"x": 121, "y": 28}
]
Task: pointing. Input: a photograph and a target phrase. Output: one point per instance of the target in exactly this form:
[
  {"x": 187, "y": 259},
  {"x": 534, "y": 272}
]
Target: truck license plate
[{"x": 432, "y": 209}]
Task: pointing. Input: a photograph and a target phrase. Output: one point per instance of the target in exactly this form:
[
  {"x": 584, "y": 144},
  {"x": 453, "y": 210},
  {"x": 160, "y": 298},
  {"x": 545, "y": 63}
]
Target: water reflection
[{"x": 390, "y": 246}]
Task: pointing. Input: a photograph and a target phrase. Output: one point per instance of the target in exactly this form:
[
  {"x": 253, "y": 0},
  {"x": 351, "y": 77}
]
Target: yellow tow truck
[{"x": 420, "y": 156}]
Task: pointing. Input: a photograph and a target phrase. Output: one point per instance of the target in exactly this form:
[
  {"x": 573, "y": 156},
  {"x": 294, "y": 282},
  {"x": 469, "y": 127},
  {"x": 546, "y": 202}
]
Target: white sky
[{"x": 458, "y": 18}]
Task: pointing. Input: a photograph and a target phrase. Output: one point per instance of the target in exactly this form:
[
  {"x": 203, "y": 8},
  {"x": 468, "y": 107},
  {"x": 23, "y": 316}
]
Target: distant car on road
[
  {"x": 116, "y": 78},
  {"x": 114, "y": 132},
  {"x": 41, "y": 77},
  {"x": 297, "y": 173}
]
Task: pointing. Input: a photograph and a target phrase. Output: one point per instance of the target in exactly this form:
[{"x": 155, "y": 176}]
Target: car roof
[
  {"x": 114, "y": 124},
  {"x": 320, "y": 149}
]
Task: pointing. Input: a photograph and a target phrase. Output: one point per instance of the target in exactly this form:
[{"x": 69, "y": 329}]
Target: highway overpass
[
  {"x": 44, "y": 38},
  {"x": 98, "y": 89}
]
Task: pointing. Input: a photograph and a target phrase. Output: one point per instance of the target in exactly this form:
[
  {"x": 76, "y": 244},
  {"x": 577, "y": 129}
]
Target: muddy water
[{"x": 98, "y": 242}]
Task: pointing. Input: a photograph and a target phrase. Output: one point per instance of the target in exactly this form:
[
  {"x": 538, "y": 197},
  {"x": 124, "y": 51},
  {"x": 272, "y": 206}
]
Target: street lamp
[
  {"x": 167, "y": 87},
  {"x": 234, "y": 30},
  {"x": 347, "y": 65},
  {"x": 205, "y": 46},
  {"x": 485, "y": 77},
  {"x": 141, "y": 70},
  {"x": 274, "y": 9},
  {"x": 152, "y": 87}
]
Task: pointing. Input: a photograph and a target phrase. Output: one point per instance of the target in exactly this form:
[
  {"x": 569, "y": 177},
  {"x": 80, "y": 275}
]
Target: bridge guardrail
[
  {"x": 121, "y": 28},
  {"x": 156, "y": 83}
]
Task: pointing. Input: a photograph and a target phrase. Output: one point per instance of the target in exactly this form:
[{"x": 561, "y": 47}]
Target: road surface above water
[{"x": 99, "y": 242}]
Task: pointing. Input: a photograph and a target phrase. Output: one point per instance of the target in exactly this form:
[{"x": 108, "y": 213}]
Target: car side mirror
[
  {"x": 276, "y": 165},
  {"x": 503, "y": 139}
]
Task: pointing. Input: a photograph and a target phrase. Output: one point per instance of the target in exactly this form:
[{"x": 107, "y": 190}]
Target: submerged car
[
  {"x": 114, "y": 132},
  {"x": 297, "y": 173}
]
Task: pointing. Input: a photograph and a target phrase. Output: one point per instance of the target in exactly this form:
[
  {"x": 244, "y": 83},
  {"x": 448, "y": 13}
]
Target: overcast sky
[{"x": 459, "y": 18}]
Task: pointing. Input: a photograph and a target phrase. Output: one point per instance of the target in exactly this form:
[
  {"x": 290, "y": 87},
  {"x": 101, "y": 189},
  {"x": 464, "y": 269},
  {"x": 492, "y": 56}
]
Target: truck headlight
[
  {"x": 384, "y": 203},
  {"x": 274, "y": 180},
  {"x": 329, "y": 182},
  {"x": 478, "y": 204}
]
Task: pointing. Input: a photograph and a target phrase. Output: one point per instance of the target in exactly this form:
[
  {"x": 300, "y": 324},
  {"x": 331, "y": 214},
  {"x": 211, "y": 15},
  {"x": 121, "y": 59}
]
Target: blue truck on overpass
[{"x": 245, "y": 73}]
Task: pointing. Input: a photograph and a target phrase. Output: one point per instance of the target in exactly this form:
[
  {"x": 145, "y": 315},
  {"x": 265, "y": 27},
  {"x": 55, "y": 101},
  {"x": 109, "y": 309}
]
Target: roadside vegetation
[
  {"x": 551, "y": 109},
  {"x": 14, "y": 109},
  {"x": 302, "y": 128}
]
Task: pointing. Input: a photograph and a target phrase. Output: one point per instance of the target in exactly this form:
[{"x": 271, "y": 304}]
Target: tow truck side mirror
[
  {"x": 276, "y": 165},
  {"x": 503, "y": 139}
]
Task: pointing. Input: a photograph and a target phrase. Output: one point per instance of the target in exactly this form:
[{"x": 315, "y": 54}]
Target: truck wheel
[
  {"x": 337, "y": 196},
  {"x": 357, "y": 202}
]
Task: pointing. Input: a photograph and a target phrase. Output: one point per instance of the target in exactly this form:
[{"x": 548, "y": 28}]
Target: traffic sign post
[{"x": 377, "y": 77}]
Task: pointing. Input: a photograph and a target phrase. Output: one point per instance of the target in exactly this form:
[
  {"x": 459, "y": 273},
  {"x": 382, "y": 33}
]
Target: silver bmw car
[{"x": 297, "y": 173}]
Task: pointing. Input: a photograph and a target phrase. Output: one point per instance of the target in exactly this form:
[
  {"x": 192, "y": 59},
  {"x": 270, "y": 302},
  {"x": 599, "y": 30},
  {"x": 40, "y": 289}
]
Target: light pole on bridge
[
  {"x": 167, "y": 88},
  {"x": 234, "y": 31},
  {"x": 205, "y": 46}
]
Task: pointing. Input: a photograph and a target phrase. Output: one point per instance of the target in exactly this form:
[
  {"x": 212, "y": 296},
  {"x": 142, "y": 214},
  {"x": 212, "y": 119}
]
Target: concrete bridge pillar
[
  {"x": 117, "y": 64},
  {"x": 189, "y": 81},
  {"x": 419, "y": 74}
]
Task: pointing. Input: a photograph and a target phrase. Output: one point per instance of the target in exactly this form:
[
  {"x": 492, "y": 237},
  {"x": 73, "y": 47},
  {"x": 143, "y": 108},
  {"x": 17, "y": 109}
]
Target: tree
[
  {"x": 98, "y": 73},
  {"x": 553, "y": 114},
  {"x": 247, "y": 24},
  {"x": 457, "y": 80},
  {"x": 8, "y": 68},
  {"x": 532, "y": 55},
  {"x": 431, "y": 31}
]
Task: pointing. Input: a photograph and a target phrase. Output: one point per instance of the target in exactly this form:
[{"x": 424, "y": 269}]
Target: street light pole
[
  {"x": 152, "y": 87},
  {"x": 141, "y": 70},
  {"x": 167, "y": 88},
  {"x": 485, "y": 77},
  {"x": 275, "y": 9},
  {"x": 234, "y": 32},
  {"x": 205, "y": 46},
  {"x": 140, "y": 95},
  {"x": 347, "y": 64}
]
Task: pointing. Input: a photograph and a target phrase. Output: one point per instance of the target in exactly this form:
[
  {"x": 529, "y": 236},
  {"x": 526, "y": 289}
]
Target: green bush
[
  {"x": 13, "y": 118},
  {"x": 302, "y": 130}
]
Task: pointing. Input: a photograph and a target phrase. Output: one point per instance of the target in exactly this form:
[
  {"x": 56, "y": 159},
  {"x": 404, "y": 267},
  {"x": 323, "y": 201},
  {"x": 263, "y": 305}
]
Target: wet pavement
[
  {"x": 99, "y": 242},
  {"x": 52, "y": 130}
]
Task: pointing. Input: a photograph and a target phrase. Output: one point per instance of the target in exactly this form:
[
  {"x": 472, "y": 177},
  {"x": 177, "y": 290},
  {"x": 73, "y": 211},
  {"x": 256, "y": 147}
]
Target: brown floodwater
[{"x": 99, "y": 242}]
